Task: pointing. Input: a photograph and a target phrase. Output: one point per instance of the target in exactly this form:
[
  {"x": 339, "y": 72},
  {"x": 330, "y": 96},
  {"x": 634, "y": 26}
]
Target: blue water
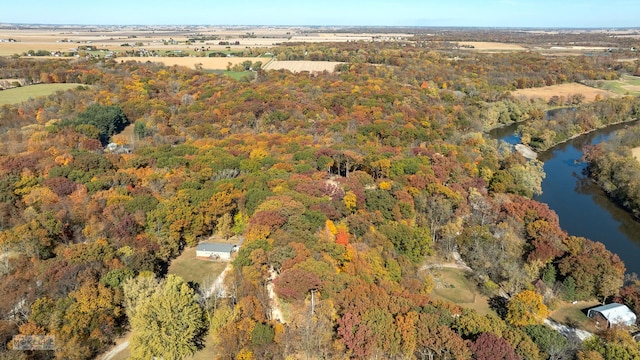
[{"x": 583, "y": 208}]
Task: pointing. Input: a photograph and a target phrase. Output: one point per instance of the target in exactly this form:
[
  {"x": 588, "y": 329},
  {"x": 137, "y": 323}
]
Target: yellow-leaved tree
[{"x": 526, "y": 308}]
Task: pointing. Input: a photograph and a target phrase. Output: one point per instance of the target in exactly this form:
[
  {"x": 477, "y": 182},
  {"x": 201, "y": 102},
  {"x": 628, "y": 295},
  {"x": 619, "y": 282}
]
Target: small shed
[
  {"x": 215, "y": 251},
  {"x": 612, "y": 314}
]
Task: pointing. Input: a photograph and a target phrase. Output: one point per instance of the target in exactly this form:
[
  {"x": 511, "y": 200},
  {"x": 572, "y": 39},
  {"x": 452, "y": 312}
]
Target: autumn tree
[
  {"x": 526, "y": 308},
  {"x": 489, "y": 346},
  {"x": 295, "y": 283},
  {"x": 168, "y": 323}
]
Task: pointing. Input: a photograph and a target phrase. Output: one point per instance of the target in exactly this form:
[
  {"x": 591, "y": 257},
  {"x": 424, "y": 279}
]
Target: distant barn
[
  {"x": 215, "y": 251},
  {"x": 613, "y": 314}
]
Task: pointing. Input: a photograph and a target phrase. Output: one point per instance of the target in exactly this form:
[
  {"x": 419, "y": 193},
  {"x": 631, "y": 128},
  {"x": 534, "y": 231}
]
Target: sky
[{"x": 475, "y": 13}]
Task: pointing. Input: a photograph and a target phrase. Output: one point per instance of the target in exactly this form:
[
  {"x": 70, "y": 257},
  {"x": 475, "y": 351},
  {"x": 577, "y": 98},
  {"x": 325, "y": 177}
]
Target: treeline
[
  {"x": 564, "y": 124},
  {"x": 615, "y": 168},
  {"x": 340, "y": 183}
]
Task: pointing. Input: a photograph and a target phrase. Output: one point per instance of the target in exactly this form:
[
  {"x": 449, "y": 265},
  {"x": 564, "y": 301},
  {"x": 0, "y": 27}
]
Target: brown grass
[
  {"x": 636, "y": 153},
  {"x": 298, "y": 66},
  {"x": 188, "y": 267},
  {"x": 565, "y": 90}
]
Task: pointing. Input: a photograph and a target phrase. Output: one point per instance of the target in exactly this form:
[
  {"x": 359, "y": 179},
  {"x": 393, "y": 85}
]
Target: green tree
[
  {"x": 109, "y": 120},
  {"x": 169, "y": 323},
  {"x": 548, "y": 340}
]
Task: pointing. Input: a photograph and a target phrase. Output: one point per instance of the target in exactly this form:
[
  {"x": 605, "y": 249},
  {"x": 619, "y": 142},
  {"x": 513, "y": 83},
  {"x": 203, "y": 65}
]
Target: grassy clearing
[
  {"x": 453, "y": 285},
  {"x": 627, "y": 85},
  {"x": 575, "y": 315},
  {"x": 21, "y": 94},
  {"x": 238, "y": 75},
  {"x": 191, "y": 269}
]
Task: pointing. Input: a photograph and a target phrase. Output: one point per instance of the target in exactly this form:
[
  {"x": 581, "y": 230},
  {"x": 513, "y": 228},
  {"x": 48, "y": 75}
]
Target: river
[{"x": 584, "y": 209}]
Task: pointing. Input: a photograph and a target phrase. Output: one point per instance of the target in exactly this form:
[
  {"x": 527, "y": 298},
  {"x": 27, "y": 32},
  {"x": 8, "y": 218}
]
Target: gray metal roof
[
  {"x": 215, "y": 247},
  {"x": 615, "y": 313}
]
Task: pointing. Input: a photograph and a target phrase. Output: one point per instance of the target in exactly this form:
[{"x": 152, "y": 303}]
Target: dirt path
[
  {"x": 276, "y": 313},
  {"x": 457, "y": 264},
  {"x": 567, "y": 331},
  {"x": 218, "y": 285},
  {"x": 113, "y": 352}
]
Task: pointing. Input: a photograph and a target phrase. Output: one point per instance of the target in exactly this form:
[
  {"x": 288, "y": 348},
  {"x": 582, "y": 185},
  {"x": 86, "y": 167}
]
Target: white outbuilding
[
  {"x": 215, "y": 251},
  {"x": 613, "y": 314}
]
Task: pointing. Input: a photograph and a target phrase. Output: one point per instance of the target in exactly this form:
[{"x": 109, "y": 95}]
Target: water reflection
[{"x": 583, "y": 208}]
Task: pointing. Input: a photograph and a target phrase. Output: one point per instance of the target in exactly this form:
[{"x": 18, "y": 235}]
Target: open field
[
  {"x": 20, "y": 94},
  {"x": 491, "y": 46},
  {"x": 298, "y": 66},
  {"x": 209, "y": 63},
  {"x": 191, "y": 269},
  {"x": 452, "y": 285},
  {"x": 565, "y": 90},
  {"x": 574, "y": 315},
  {"x": 185, "y": 38},
  {"x": 627, "y": 85}
]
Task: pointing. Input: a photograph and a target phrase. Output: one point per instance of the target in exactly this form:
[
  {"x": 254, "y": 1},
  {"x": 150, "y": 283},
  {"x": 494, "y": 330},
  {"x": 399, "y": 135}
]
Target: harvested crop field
[
  {"x": 492, "y": 46},
  {"x": 565, "y": 90},
  {"x": 298, "y": 66},
  {"x": 209, "y": 63}
]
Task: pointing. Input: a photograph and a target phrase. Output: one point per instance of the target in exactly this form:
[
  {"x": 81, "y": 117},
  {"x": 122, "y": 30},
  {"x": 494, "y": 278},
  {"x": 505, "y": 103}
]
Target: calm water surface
[{"x": 583, "y": 208}]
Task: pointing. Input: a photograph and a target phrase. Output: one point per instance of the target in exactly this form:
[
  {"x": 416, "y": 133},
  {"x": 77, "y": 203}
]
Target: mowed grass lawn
[
  {"x": 21, "y": 94},
  {"x": 627, "y": 85},
  {"x": 191, "y": 269},
  {"x": 575, "y": 315},
  {"x": 453, "y": 285}
]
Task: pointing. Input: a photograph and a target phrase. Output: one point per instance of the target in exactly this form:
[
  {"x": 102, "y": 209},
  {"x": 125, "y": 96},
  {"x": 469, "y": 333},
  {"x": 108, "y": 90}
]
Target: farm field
[
  {"x": 20, "y": 94},
  {"x": 565, "y": 90},
  {"x": 65, "y": 39},
  {"x": 298, "y": 66},
  {"x": 208, "y": 63},
  {"x": 627, "y": 85},
  {"x": 492, "y": 46}
]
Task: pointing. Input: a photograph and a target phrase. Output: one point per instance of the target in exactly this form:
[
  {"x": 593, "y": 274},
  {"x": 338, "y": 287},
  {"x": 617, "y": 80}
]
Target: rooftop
[{"x": 216, "y": 247}]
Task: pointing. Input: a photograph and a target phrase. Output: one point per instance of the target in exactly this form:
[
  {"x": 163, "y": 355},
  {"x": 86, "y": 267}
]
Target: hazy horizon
[{"x": 588, "y": 14}]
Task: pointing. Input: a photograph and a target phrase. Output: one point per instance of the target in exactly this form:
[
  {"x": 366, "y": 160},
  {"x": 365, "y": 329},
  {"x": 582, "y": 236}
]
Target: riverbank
[
  {"x": 539, "y": 150},
  {"x": 583, "y": 208}
]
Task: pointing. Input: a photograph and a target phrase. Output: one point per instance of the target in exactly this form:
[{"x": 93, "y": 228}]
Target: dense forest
[{"x": 340, "y": 184}]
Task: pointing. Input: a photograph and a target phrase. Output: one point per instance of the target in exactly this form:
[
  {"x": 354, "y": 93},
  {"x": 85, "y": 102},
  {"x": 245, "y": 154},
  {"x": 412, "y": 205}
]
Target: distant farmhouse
[
  {"x": 215, "y": 251},
  {"x": 613, "y": 315}
]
